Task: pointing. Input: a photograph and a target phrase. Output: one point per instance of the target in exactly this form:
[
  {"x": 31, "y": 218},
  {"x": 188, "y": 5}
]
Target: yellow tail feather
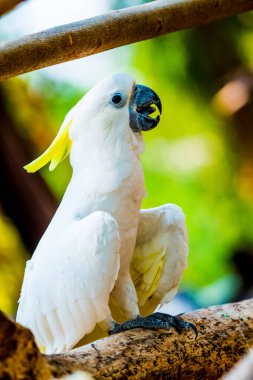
[{"x": 56, "y": 152}]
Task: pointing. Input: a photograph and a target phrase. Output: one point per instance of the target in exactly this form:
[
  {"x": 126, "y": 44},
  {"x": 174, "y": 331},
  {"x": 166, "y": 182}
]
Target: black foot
[{"x": 155, "y": 321}]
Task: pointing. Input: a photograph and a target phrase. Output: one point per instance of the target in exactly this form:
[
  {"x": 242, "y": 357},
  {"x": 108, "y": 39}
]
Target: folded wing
[
  {"x": 66, "y": 286},
  {"x": 160, "y": 256}
]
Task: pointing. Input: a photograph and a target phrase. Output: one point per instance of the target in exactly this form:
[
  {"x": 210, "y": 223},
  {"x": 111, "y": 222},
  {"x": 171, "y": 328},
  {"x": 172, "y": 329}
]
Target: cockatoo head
[
  {"x": 118, "y": 98},
  {"x": 116, "y": 108}
]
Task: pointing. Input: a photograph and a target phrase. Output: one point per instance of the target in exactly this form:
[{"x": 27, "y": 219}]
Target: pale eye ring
[{"x": 118, "y": 100}]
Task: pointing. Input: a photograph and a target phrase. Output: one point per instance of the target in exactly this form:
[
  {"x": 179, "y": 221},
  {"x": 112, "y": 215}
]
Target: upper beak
[{"x": 141, "y": 107}]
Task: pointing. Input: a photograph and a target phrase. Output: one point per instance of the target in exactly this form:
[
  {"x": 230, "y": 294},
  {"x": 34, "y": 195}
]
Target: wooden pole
[
  {"x": 225, "y": 334},
  {"x": 111, "y": 30}
]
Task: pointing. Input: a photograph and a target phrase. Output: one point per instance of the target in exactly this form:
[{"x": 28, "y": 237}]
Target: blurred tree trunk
[
  {"x": 26, "y": 199},
  {"x": 226, "y": 75}
]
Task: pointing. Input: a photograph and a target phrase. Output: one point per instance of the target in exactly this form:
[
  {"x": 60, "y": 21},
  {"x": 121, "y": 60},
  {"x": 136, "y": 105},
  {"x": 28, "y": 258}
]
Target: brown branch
[
  {"x": 243, "y": 370},
  {"x": 225, "y": 334},
  {"x": 19, "y": 355},
  {"x": 114, "y": 29},
  {"x": 8, "y": 5}
]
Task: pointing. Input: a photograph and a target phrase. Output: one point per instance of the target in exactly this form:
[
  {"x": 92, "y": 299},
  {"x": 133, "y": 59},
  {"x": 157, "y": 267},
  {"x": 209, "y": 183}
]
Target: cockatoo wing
[
  {"x": 67, "y": 284},
  {"x": 160, "y": 256}
]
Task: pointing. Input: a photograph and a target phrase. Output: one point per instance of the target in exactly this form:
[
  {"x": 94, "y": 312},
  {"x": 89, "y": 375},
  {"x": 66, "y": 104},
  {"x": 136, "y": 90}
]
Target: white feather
[
  {"x": 67, "y": 287},
  {"x": 161, "y": 235}
]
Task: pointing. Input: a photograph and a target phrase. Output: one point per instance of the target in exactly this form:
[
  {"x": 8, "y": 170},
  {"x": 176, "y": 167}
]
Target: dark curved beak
[{"x": 141, "y": 106}]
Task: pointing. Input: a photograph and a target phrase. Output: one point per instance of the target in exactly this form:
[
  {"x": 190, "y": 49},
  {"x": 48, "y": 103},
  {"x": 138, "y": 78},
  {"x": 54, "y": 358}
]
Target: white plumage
[
  {"x": 60, "y": 301},
  {"x": 85, "y": 255},
  {"x": 160, "y": 256}
]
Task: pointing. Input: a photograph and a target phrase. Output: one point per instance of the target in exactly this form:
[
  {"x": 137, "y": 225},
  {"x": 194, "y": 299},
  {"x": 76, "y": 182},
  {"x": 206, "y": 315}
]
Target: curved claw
[
  {"x": 176, "y": 327},
  {"x": 189, "y": 325},
  {"x": 185, "y": 325}
]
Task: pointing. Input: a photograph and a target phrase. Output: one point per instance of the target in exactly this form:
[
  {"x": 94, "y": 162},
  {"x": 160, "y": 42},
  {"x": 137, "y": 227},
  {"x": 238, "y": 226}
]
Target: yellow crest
[{"x": 56, "y": 152}]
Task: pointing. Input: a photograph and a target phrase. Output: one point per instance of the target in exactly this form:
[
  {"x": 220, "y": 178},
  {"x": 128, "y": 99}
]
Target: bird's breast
[{"x": 116, "y": 187}]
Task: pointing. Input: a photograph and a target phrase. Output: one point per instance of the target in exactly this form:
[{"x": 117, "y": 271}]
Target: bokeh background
[{"x": 200, "y": 156}]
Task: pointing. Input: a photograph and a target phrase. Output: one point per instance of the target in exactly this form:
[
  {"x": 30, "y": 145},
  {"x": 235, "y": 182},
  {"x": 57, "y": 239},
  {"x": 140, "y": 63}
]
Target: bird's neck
[
  {"x": 110, "y": 152},
  {"x": 110, "y": 181},
  {"x": 101, "y": 172}
]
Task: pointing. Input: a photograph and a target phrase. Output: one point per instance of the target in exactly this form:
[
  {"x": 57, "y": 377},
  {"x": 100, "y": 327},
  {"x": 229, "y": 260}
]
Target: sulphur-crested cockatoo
[{"x": 98, "y": 234}]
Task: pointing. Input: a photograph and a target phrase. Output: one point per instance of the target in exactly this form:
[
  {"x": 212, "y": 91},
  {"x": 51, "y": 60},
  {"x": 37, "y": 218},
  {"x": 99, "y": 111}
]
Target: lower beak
[{"x": 144, "y": 102}]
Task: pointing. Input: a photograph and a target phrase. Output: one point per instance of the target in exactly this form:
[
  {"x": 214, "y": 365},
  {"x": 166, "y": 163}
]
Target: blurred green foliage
[{"x": 190, "y": 158}]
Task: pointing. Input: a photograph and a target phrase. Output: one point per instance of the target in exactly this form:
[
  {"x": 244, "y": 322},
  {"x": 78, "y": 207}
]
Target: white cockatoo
[{"x": 102, "y": 259}]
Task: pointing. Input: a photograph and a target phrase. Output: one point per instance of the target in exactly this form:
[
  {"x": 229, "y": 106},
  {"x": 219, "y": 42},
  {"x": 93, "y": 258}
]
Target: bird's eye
[{"x": 118, "y": 100}]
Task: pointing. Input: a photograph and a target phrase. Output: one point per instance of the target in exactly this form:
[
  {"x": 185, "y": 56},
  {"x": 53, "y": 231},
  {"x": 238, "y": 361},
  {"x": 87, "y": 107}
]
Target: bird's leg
[{"x": 154, "y": 321}]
